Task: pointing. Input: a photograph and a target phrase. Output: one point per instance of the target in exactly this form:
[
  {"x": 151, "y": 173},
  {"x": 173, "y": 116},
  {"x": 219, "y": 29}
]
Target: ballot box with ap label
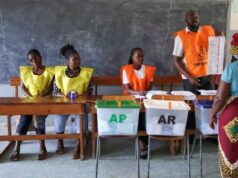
[{"x": 117, "y": 117}]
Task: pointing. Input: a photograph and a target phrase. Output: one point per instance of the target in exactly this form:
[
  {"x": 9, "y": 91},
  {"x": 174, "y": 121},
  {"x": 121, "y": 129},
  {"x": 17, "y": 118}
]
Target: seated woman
[
  {"x": 37, "y": 80},
  {"x": 70, "y": 78},
  {"x": 137, "y": 79},
  {"x": 228, "y": 119}
]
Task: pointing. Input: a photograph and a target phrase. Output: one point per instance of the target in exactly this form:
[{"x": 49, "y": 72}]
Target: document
[
  {"x": 187, "y": 94},
  {"x": 216, "y": 50},
  {"x": 155, "y": 92},
  {"x": 208, "y": 92}
]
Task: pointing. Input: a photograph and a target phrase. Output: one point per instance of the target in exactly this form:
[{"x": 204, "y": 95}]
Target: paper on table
[
  {"x": 216, "y": 51},
  {"x": 139, "y": 97},
  {"x": 187, "y": 94},
  {"x": 208, "y": 92},
  {"x": 155, "y": 92}
]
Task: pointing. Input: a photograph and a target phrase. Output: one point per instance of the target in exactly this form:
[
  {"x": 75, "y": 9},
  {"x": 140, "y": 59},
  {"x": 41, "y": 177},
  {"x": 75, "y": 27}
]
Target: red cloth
[{"x": 230, "y": 149}]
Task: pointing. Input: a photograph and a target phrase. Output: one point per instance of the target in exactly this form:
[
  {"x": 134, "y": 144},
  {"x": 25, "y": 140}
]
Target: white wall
[{"x": 6, "y": 90}]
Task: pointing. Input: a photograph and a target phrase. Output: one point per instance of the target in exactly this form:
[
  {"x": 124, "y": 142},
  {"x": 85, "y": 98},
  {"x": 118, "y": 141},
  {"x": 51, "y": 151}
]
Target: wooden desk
[
  {"x": 44, "y": 106},
  {"x": 93, "y": 112}
]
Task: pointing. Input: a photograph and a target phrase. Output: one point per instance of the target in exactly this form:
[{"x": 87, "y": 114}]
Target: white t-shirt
[
  {"x": 178, "y": 47},
  {"x": 139, "y": 73}
]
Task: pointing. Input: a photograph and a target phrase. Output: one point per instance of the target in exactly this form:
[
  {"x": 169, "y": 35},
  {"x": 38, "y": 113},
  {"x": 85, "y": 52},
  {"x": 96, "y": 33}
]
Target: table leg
[
  {"x": 9, "y": 125},
  {"x": 93, "y": 119},
  {"x": 81, "y": 137}
]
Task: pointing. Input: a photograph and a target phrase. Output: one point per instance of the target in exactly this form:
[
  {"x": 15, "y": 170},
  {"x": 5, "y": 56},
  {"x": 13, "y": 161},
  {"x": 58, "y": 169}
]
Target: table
[{"x": 44, "y": 106}]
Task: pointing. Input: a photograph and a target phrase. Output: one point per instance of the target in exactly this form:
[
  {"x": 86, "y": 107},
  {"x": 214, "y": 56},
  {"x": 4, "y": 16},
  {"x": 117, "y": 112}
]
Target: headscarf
[{"x": 234, "y": 44}]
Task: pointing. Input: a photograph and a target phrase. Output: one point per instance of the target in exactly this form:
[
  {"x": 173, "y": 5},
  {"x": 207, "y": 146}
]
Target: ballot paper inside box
[
  {"x": 117, "y": 120},
  {"x": 166, "y": 119}
]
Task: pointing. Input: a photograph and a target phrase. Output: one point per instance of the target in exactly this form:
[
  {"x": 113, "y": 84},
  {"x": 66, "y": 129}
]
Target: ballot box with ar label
[
  {"x": 202, "y": 115},
  {"x": 117, "y": 117},
  {"x": 166, "y": 118}
]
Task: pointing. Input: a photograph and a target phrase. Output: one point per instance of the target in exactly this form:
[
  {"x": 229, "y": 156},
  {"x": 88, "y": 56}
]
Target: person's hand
[
  {"x": 213, "y": 120},
  {"x": 142, "y": 92},
  {"x": 194, "y": 82}
]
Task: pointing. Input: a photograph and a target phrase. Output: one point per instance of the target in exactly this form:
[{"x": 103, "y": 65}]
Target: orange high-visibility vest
[
  {"x": 135, "y": 82},
  {"x": 195, "y": 46}
]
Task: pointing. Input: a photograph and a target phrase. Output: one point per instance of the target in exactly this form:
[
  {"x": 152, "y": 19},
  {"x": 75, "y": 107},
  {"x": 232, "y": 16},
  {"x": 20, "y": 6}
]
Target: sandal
[
  {"x": 15, "y": 156},
  {"x": 60, "y": 147},
  {"x": 143, "y": 153},
  {"x": 42, "y": 155}
]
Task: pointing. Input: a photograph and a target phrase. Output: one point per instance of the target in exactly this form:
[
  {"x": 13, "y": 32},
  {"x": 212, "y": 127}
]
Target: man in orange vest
[{"x": 191, "y": 55}]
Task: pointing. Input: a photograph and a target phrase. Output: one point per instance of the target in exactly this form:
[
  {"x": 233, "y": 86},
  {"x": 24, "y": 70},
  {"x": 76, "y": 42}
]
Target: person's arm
[
  {"x": 25, "y": 90},
  {"x": 57, "y": 91},
  {"x": 150, "y": 86},
  {"x": 178, "y": 54},
  {"x": 133, "y": 92},
  {"x": 49, "y": 90},
  {"x": 178, "y": 61},
  {"x": 219, "y": 101}
]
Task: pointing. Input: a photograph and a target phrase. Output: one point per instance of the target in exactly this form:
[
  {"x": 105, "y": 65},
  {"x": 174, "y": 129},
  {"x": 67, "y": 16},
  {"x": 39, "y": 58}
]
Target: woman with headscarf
[{"x": 226, "y": 102}]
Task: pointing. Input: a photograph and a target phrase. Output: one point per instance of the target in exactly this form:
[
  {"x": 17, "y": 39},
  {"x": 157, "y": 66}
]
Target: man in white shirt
[
  {"x": 191, "y": 53},
  {"x": 191, "y": 56}
]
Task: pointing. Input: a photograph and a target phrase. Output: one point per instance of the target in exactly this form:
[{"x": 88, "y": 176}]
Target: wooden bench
[
  {"x": 15, "y": 82},
  {"x": 159, "y": 81},
  {"x": 97, "y": 81}
]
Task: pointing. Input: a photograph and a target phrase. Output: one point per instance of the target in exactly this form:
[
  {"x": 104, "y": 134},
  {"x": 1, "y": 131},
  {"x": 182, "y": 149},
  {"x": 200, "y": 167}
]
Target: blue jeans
[{"x": 25, "y": 122}]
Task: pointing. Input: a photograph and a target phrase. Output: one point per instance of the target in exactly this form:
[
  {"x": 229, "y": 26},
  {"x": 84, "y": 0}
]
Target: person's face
[
  {"x": 74, "y": 61},
  {"x": 34, "y": 60},
  {"x": 138, "y": 58},
  {"x": 192, "y": 19}
]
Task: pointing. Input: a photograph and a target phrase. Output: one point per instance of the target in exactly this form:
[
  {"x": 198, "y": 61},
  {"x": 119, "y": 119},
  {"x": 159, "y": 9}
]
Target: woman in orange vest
[
  {"x": 137, "y": 79},
  {"x": 70, "y": 78},
  {"x": 37, "y": 81}
]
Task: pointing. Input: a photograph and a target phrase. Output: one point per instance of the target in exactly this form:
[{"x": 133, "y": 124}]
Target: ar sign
[
  {"x": 170, "y": 119},
  {"x": 118, "y": 119}
]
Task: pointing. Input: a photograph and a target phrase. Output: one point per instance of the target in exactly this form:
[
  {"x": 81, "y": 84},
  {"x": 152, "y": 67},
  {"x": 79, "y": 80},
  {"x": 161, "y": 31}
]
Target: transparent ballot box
[
  {"x": 166, "y": 118},
  {"x": 202, "y": 115},
  {"x": 117, "y": 117}
]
